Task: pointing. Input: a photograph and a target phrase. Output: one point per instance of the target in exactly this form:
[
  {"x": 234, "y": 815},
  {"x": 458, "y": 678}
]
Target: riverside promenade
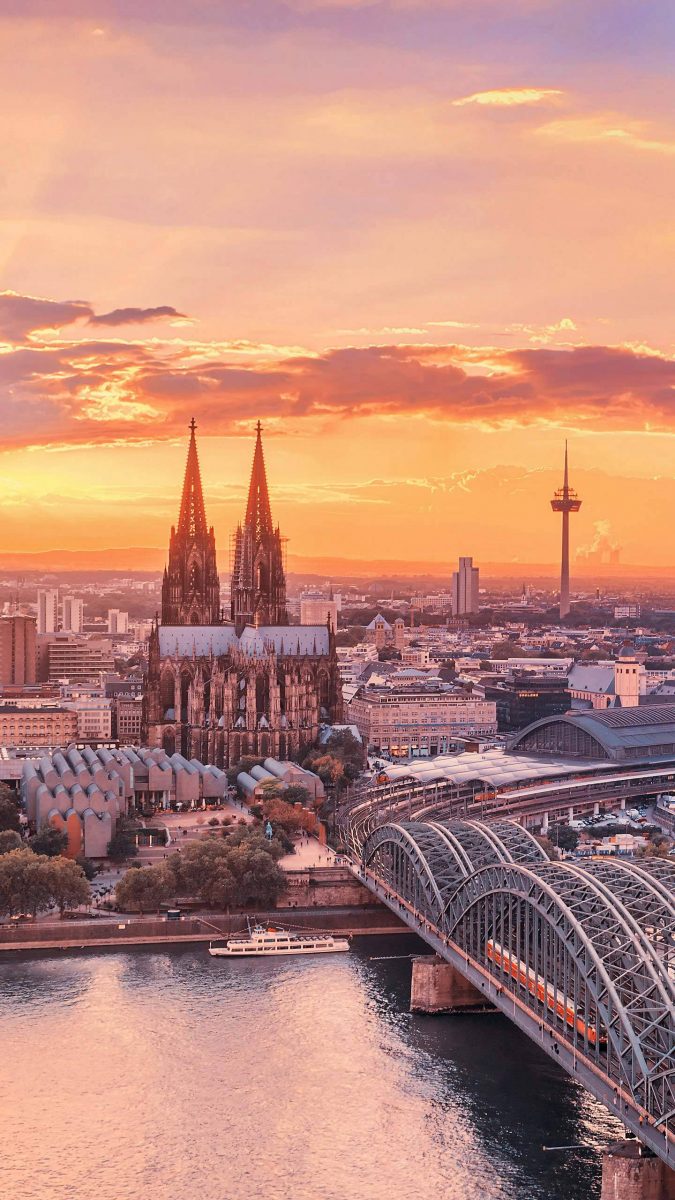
[{"x": 119, "y": 930}]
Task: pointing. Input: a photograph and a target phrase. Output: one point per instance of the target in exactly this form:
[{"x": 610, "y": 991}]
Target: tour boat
[{"x": 269, "y": 940}]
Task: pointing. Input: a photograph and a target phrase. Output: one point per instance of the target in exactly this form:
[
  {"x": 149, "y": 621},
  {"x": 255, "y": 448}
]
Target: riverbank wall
[{"x": 198, "y": 928}]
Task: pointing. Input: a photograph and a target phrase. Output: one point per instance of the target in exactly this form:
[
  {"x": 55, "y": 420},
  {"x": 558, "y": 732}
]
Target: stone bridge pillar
[
  {"x": 544, "y": 824},
  {"x": 438, "y": 987},
  {"x": 630, "y": 1172}
]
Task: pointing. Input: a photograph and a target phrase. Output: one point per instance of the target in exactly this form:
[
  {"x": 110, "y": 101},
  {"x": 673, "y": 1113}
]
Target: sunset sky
[{"x": 422, "y": 240}]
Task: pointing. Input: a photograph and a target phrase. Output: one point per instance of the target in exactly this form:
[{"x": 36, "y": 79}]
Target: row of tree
[
  {"x": 32, "y": 883},
  {"x": 239, "y": 868}
]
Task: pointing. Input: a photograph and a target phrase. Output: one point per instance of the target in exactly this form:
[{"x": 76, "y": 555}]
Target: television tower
[{"x": 565, "y": 501}]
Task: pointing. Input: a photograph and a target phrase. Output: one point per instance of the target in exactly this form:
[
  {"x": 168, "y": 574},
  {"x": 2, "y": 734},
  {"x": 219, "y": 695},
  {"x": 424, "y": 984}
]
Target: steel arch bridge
[{"x": 582, "y": 958}]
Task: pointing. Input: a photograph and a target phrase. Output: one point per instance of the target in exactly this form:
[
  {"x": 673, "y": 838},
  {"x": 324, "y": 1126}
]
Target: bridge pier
[
  {"x": 630, "y": 1172},
  {"x": 544, "y": 824},
  {"x": 438, "y": 987}
]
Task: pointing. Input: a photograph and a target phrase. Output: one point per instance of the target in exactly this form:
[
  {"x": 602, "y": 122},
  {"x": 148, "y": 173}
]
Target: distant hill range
[{"x": 152, "y": 559}]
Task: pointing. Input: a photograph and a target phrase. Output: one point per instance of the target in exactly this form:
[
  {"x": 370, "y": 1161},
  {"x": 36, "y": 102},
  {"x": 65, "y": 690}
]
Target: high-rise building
[
  {"x": 191, "y": 587},
  {"x": 258, "y": 577},
  {"x": 565, "y": 501},
  {"x": 72, "y": 614},
  {"x": 118, "y": 622},
  {"x": 17, "y": 650},
  {"x": 465, "y": 588},
  {"x": 47, "y": 610}
]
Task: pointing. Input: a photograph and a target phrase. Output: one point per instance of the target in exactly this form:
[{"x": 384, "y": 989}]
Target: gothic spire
[
  {"x": 192, "y": 517},
  {"x": 258, "y": 512},
  {"x": 258, "y": 591},
  {"x": 190, "y": 586}
]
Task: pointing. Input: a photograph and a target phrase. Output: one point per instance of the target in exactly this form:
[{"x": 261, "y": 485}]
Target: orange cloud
[{"x": 57, "y": 392}]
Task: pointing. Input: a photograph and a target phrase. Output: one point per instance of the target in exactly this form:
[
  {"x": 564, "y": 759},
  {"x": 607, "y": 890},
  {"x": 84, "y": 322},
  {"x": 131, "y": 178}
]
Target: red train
[{"x": 545, "y": 992}]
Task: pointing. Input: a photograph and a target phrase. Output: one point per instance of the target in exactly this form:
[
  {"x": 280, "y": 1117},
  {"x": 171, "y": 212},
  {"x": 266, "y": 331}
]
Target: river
[{"x": 139, "y": 1075}]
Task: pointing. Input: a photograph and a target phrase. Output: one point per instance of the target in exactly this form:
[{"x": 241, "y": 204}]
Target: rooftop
[
  {"x": 182, "y": 641},
  {"x": 642, "y": 732}
]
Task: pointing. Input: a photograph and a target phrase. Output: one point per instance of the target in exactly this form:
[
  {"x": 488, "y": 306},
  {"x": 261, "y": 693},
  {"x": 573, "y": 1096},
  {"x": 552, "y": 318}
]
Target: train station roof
[
  {"x": 494, "y": 768},
  {"x": 619, "y": 734}
]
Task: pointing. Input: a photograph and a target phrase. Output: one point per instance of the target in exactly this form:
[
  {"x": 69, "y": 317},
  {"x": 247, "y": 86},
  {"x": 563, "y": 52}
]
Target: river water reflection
[{"x": 174, "y": 1076}]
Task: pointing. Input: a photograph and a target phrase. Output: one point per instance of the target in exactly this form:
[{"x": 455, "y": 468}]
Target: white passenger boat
[{"x": 264, "y": 941}]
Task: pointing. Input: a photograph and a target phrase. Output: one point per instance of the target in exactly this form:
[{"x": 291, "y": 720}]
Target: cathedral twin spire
[
  {"x": 258, "y": 512},
  {"x": 192, "y": 517},
  {"x": 191, "y": 588},
  {"x": 258, "y": 577}
]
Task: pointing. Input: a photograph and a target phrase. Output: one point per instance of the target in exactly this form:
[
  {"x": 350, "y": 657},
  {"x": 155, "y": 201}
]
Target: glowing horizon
[{"x": 421, "y": 246}]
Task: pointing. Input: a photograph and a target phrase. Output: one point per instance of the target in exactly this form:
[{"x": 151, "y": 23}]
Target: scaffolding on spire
[
  {"x": 258, "y": 589},
  {"x": 258, "y": 511}
]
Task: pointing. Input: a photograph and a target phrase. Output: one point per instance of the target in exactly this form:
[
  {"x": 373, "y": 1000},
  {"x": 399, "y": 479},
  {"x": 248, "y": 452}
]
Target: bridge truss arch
[{"x": 588, "y": 951}]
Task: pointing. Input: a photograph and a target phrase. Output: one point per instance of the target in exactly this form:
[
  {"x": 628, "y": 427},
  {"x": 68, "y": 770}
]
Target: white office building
[
  {"x": 47, "y": 610},
  {"x": 118, "y": 621},
  {"x": 72, "y": 614}
]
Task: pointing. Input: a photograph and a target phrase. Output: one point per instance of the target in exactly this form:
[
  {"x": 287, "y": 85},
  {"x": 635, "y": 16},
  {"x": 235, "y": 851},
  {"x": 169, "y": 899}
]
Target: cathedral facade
[{"x": 219, "y": 689}]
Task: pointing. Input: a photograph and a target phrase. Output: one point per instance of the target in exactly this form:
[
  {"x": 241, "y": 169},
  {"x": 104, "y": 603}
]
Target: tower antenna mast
[{"x": 565, "y": 501}]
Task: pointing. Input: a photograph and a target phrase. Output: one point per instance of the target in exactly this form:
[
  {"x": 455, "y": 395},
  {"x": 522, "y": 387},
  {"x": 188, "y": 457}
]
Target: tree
[
  {"x": 271, "y": 789},
  {"x": 88, "y": 866},
  {"x": 254, "y": 837},
  {"x": 655, "y": 849},
  {"x": 507, "y": 649},
  {"x": 145, "y": 888},
  {"x": 49, "y": 841},
  {"x": 220, "y": 891},
  {"x": 10, "y": 840},
  {"x": 343, "y": 748},
  {"x": 296, "y": 794},
  {"x": 122, "y": 845},
  {"x": 24, "y": 882},
  {"x": 329, "y": 769},
  {"x": 195, "y": 865},
  {"x": 9, "y": 811},
  {"x": 258, "y": 878},
  {"x": 284, "y": 816},
  {"x": 239, "y": 869},
  {"x": 547, "y": 846},
  {"x": 565, "y": 837},
  {"x": 68, "y": 884}
]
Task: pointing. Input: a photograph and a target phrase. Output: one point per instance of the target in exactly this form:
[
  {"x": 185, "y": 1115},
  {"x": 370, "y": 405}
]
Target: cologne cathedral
[{"x": 218, "y": 688}]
